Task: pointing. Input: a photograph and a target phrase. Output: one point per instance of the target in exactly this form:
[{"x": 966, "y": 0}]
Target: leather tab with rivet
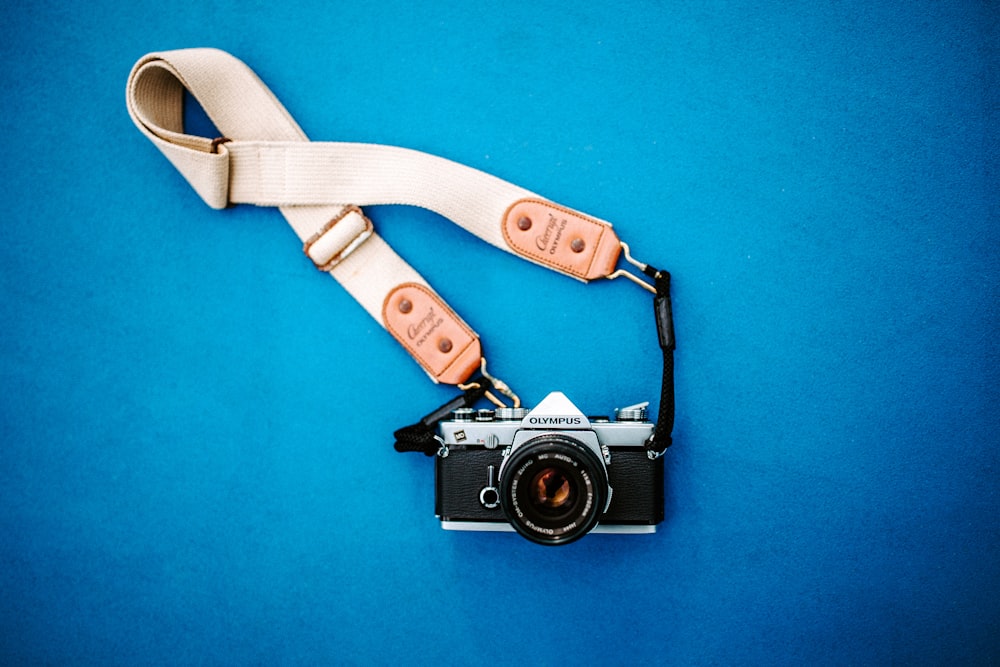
[
  {"x": 561, "y": 239},
  {"x": 432, "y": 333}
]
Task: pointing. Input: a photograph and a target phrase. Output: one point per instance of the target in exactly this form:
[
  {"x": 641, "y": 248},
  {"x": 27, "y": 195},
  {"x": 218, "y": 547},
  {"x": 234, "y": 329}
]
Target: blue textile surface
[{"x": 196, "y": 462}]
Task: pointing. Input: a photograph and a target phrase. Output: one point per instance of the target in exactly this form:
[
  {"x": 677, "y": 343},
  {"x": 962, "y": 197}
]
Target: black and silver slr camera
[{"x": 551, "y": 473}]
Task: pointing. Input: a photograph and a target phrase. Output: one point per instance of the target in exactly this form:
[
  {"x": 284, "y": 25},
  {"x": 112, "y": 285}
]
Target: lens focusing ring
[{"x": 554, "y": 489}]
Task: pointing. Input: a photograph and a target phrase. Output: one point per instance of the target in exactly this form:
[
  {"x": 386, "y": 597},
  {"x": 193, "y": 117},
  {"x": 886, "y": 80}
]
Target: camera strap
[{"x": 264, "y": 158}]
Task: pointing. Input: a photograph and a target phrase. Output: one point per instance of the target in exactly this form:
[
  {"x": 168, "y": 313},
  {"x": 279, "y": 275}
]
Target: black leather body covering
[{"x": 637, "y": 484}]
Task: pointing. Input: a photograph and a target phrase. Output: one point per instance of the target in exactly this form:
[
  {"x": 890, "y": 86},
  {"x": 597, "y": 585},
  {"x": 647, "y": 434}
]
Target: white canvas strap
[{"x": 266, "y": 159}]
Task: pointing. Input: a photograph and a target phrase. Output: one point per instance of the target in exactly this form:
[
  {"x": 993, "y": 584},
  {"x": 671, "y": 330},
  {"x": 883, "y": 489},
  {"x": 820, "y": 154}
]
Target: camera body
[{"x": 551, "y": 473}]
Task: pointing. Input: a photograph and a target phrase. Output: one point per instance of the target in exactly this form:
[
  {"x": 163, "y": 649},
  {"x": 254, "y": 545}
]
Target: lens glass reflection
[{"x": 551, "y": 490}]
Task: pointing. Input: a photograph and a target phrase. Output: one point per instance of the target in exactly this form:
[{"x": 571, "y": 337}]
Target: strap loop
[{"x": 338, "y": 238}]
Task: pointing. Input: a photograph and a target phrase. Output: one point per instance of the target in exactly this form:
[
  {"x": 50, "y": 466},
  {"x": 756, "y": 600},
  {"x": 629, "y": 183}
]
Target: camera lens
[{"x": 553, "y": 489}]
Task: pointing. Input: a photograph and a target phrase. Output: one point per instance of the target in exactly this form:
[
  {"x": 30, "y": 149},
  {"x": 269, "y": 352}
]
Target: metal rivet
[
  {"x": 524, "y": 223},
  {"x": 405, "y": 306},
  {"x": 577, "y": 245},
  {"x": 444, "y": 345}
]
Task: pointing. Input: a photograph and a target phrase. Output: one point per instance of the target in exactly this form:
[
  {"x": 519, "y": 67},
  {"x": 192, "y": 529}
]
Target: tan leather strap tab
[
  {"x": 432, "y": 333},
  {"x": 561, "y": 239}
]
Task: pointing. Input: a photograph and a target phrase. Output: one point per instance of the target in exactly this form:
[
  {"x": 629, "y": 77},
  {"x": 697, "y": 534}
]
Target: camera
[{"x": 551, "y": 474}]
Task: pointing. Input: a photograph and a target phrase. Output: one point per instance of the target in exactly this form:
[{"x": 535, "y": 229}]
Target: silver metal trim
[
  {"x": 503, "y": 527},
  {"x": 622, "y": 273}
]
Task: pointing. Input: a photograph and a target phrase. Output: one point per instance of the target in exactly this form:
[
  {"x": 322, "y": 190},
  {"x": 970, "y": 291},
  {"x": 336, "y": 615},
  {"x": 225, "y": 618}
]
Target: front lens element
[{"x": 552, "y": 490}]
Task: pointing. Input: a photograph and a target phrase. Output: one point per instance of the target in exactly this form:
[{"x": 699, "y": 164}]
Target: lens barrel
[{"x": 553, "y": 489}]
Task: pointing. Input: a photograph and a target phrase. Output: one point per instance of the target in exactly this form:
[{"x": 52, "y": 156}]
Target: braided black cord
[{"x": 661, "y": 438}]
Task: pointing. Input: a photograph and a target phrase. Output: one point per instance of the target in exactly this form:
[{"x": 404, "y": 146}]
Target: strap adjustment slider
[{"x": 338, "y": 238}]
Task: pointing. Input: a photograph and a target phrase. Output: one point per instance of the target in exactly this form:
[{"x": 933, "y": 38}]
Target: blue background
[{"x": 196, "y": 461}]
